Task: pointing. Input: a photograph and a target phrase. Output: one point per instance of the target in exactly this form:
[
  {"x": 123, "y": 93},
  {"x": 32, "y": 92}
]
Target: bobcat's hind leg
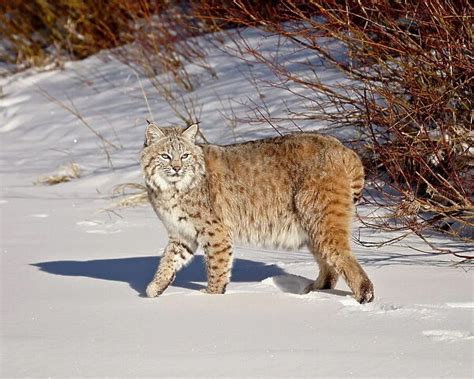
[
  {"x": 177, "y": 253},
  {"x": 326, "y": 209}
]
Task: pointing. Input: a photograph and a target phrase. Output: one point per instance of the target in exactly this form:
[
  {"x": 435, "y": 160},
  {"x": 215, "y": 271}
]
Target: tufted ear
[
  {"x": 152, "y": 134},
  {"x": 191, "y": 132}
]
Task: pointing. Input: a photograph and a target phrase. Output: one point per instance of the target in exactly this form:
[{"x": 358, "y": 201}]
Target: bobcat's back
[{"x": 253, "y": 186}]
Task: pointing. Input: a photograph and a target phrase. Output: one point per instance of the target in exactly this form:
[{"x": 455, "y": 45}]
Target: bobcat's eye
[
  {"x": 166, "y": 156},
  {"x": 185, "y": 156}
]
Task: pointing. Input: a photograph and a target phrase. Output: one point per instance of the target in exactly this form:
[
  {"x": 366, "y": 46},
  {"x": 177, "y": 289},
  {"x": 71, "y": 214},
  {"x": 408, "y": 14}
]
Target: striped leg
[
  {"x": 176, "y": 254},
  {"x": 326, "y": 209},
  {"x": 218, "y": 249}
]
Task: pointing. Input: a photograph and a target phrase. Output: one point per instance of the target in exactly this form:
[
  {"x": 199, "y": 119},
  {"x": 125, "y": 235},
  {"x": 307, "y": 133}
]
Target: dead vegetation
[
  {"x": 138, "y": 196},
  {"x": 64, "y": 174},
  {"x": 39, "y": 32},
  {"x": 410, "y": 72}
]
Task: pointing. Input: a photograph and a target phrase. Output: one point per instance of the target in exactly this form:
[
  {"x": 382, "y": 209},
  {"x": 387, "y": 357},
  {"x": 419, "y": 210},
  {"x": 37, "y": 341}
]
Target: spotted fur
[{"x": 288, "y": 192}]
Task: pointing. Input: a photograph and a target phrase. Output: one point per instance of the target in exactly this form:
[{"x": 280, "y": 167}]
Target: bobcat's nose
[{"x": 176, "y": 169}]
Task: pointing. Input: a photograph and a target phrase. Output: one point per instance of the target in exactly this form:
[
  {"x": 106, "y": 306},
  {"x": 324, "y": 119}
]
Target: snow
[{"x": 73, "y": 274}]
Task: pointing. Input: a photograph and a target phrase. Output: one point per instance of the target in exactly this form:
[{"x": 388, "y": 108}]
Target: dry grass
[
  {"x": 37, "y": 32},
  {"x": 127, "y": 200},
  {"x": 65, "y": 174}
]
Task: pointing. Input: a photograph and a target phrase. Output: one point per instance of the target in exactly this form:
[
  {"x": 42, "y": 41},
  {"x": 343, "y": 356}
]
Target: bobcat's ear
[
  {"x": 191, "y": 132},
  {"x": 152, "y": 134}
]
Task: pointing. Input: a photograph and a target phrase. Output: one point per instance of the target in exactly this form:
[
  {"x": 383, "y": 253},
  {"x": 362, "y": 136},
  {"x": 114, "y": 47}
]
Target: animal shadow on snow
[{"x": 138, "y": 271}]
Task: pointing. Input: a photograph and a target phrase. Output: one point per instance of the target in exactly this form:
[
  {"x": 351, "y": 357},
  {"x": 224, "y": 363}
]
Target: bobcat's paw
[
  {"x": 322, "y": 283},
  {"x": 365, "y": 293},
  {"x": 309, "y": 288},
  {"x": 317, "y": 286},
  {"x": 153, "y": 290},
  {"x": 210, "y": 291}
]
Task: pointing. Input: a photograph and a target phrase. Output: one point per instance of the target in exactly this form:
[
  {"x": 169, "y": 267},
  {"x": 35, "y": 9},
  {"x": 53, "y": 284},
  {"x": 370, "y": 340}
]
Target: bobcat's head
[{"x": 171, "y": 158}]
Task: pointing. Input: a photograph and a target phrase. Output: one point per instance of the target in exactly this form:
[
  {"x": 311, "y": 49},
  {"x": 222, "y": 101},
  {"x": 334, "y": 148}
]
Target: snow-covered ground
[{"x": 73, "y": 273}]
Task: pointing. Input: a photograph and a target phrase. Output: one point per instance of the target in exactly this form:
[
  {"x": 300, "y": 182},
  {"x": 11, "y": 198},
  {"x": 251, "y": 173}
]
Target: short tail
[{"x": 355, "y": 170}]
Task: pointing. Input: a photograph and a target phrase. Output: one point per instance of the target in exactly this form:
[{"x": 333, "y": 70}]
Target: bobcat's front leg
[
  {"x": 217, "y": 245},
  {"x": 177, "y": 253}
]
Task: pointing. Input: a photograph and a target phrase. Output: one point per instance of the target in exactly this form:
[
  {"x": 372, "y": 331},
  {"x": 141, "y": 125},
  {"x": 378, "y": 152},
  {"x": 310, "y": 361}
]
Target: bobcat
[{"x": 290, "y": 192}]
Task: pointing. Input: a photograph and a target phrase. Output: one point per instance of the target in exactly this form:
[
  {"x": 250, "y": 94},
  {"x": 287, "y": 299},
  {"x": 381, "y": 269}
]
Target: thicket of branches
[
  {"x": 409, "y": 69},
  {"x": 411, "y": 72}
]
